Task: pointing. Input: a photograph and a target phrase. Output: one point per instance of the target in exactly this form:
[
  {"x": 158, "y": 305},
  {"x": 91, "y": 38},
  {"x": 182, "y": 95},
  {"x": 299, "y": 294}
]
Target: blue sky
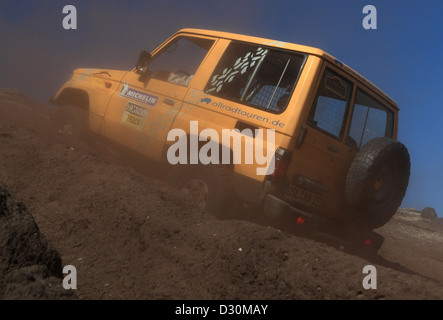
[{"x": 403, "y": 56}]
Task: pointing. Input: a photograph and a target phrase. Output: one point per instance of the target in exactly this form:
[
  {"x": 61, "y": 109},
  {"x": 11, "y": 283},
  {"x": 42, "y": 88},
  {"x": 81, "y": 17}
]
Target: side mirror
[{"x": 143, "y": 62}]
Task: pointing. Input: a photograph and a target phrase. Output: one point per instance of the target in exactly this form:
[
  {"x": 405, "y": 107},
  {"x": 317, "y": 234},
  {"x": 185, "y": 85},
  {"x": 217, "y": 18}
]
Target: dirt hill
[{"x": 132, "y": 237}]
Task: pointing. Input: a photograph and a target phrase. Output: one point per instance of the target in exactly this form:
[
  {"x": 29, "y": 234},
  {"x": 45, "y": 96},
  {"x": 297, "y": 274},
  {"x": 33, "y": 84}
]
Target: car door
[
  {"x": 320, "y": 164},
  {"x": 142, "y": 110}
]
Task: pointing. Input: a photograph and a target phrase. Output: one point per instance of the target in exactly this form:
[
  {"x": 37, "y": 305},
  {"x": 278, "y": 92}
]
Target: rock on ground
[
  {"x": 29, "y": 267},
  {"x": 429, "y": 213}
]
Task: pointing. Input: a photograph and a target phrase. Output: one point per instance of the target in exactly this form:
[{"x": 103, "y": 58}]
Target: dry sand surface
[{"x": 132, "y": 237}]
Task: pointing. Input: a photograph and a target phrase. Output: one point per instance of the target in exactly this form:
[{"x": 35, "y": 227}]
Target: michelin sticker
[
  {"x": 137, "y": 95},
  {"x": 135, "y": 115}
]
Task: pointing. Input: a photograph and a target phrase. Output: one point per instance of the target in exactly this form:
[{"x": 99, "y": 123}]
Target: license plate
[{"x": 304, "y": 196}]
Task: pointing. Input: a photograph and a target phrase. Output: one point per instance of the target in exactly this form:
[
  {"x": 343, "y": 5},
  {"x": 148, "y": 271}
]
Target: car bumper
[
  {"x": 276, "y": 208},
  {"x": 343, "y": 232}
]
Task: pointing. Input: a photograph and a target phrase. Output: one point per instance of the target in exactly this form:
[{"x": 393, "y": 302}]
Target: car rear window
[
  {"x": 370, "y": 119},
  {"x": 331, "y": 104}
]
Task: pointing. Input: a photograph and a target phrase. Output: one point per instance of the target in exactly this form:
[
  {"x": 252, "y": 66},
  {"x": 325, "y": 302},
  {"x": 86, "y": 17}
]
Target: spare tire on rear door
[{"x": 377, "y": 181}]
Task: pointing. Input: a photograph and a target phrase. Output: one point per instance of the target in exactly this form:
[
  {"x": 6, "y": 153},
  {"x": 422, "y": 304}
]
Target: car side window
[
  {"x": 179, "y": 61},
  {"x": 370, "y": 119},
  {"x": 257, "y": 76},
  {"x": 331, "y": 103}
]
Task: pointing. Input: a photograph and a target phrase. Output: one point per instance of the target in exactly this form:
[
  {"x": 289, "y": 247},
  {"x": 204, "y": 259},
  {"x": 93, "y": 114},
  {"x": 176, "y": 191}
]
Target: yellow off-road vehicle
[{"x": 330, "y": 133}]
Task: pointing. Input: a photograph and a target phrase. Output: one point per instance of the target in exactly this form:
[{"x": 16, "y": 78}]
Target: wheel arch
[{"x": 73, "y": 97}]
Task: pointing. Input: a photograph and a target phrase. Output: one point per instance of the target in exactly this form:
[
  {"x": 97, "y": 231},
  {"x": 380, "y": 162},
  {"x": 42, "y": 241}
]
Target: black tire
[
  {"x": 377, "y": 181},
  {"x": 69, "y": 124},
  {"x": 209, "y": 186}
]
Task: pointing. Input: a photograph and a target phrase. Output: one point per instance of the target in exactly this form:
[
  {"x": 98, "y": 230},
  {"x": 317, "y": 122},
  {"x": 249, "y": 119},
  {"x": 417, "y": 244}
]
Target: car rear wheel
[
  {"x": 208, "y": 187},
  {"x": 377, "y": 181}
]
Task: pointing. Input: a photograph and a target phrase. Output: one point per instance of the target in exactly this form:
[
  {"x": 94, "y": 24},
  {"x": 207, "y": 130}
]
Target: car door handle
[
  {"x": 302, "y": 135},
  {"x": 169, "y": 101},
  {"x": 333, "y": 148}
]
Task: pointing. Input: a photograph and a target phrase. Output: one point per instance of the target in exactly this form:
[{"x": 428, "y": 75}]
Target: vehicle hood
[{"x": 109, "y": 74}]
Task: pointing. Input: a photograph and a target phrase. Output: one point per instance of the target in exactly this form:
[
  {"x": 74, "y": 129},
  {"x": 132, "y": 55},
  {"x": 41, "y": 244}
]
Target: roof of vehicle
[{"x": 295, "y": 47}]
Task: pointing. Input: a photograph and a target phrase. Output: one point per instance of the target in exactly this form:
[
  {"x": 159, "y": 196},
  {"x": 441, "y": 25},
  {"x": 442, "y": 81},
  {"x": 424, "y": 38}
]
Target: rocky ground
[{"x": 130, "y": 236}]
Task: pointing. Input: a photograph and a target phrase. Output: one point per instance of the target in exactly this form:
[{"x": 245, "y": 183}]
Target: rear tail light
[
  {"x": 300, "y": 220},
  {"x": 281, "y": 164}
]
